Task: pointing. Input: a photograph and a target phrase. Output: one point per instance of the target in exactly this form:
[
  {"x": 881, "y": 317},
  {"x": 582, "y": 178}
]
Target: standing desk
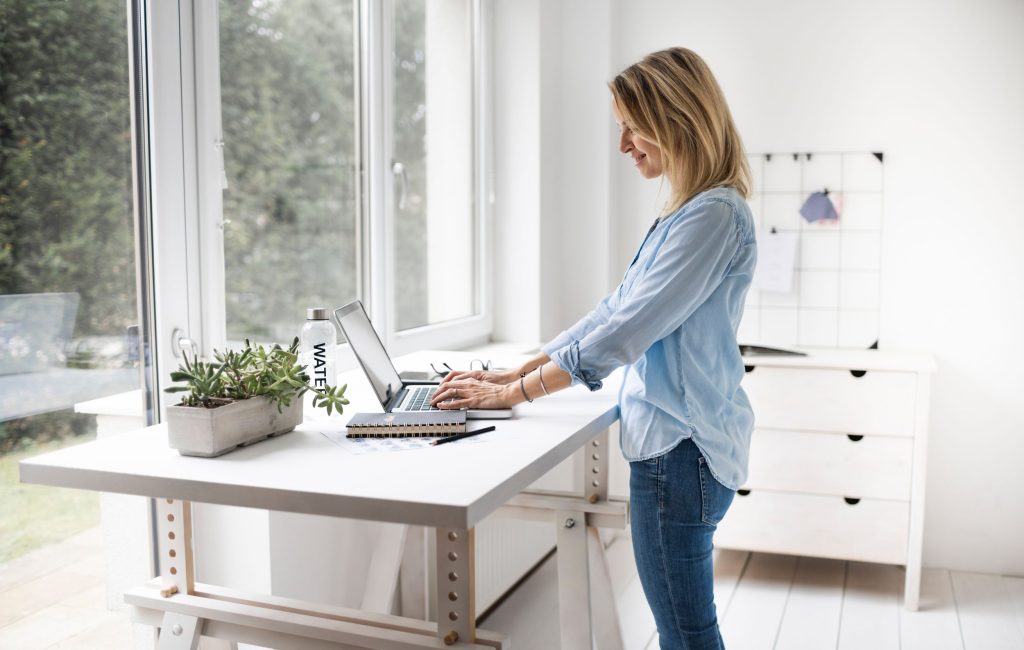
[{"x": 450, "y": 488}]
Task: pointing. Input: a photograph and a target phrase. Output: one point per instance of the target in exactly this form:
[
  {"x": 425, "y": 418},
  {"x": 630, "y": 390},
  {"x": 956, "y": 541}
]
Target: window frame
[
  {"x": 191, "y": 162},
  {"x": 475, "y": 329}
]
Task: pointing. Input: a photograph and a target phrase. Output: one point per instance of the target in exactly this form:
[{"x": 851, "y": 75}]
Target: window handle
[
  {"x": 218, "y": 144},
  {"x": 398, "y": 169},
  {"x": 180, "y": 344}
]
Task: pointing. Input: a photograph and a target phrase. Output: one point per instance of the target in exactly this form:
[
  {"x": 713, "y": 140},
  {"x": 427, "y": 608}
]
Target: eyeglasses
[
  {"x": 438, "y": 372},
  {"x": 483, "y": 365}
]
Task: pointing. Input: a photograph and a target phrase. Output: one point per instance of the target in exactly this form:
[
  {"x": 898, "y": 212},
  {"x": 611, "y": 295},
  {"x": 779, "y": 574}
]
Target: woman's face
[{"x": 645, "y": 154}]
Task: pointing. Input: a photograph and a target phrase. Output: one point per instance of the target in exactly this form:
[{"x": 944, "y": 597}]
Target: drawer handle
[
  {"x": 748, "y": 368},
  {"x": 858, "y": 373},
  {"x": 854, "y": 437},
  {"x": 742, "y": 492},
  {"x": 852, "y": 501}
]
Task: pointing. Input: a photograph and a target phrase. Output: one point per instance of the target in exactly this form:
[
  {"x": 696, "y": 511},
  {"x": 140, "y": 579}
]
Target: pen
[{"x": 468, "y": 434}]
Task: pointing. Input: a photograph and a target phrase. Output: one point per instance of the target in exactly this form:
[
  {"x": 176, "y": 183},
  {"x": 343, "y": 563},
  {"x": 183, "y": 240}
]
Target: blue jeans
[{"x": 675, "y": 505}]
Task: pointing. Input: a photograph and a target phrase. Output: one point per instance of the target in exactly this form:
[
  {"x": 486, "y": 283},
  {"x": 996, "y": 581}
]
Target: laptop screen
[
  {"x": 367, "y": 347},
  {"x": 369, "y": 350}
]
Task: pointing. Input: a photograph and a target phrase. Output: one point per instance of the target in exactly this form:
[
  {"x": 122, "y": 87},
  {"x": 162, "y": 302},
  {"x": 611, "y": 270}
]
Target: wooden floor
[
  {"x": 782, "y": 602},
  {"x": 54, "y": 598}
]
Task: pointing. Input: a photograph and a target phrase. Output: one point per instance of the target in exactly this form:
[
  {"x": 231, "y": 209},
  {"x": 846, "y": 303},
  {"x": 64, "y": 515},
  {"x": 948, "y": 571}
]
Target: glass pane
[
  {"x": 288, "y": 113},
  {"x": 68, "y": 305},
  {"x": 435, "y": 228}
]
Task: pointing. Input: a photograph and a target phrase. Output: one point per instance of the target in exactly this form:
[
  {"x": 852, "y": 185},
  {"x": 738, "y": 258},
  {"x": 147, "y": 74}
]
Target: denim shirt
[{"x": 672, "y": 322}]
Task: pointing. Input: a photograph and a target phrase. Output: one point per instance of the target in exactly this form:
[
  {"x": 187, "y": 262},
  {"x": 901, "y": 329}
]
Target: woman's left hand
[{"x": 472, "y": 393}]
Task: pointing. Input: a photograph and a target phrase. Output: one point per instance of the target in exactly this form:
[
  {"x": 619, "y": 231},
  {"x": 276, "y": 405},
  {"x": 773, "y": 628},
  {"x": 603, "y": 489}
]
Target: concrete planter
[{"x": 199, "y": 431}]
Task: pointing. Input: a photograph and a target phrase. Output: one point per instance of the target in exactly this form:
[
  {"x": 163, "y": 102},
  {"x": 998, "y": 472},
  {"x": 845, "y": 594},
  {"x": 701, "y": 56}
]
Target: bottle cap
[{"x": 317, "y": 313}]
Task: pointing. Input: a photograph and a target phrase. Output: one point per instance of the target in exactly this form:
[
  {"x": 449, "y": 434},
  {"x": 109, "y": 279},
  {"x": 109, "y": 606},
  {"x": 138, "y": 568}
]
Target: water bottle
[{"x": 317, "y": 347}]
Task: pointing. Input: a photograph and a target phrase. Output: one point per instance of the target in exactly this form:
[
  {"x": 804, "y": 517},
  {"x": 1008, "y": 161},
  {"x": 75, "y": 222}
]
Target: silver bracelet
[
  {"x": 540, "y": 373},
  {"x": 522, "y": 387}
]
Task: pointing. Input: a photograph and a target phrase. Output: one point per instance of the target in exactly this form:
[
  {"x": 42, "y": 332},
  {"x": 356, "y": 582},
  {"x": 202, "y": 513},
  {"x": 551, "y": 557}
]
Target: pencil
[{"x": 460, "y": 436}]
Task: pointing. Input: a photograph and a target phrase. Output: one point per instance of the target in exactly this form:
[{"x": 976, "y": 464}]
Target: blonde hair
[{"x": 672, "y": 99}]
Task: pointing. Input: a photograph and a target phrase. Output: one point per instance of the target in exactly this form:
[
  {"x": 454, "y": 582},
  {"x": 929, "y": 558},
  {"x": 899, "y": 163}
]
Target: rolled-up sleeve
[{"x": 691, "y": 261}]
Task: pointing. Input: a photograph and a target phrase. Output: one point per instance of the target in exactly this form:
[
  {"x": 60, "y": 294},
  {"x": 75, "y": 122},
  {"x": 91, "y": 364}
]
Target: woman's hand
[
  {"x": 491, "y": 376},
  {"x": 470, "y": 392}
]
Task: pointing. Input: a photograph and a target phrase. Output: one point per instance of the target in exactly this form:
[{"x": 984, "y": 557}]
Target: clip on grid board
[{"x": 835, "y": 294}]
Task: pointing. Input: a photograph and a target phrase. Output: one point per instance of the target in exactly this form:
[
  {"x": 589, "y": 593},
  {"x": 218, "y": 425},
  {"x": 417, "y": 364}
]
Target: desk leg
[
  {"x": 602, "y": 597},
  {"x": 456, "y": 586},
  {"x": 585, "y": 595},
  {"x": 595, "y": 463},
  {"x": 573, "y": 580},
  {"x": 179, "y": 632},
  {"x": 174, "y": 531}
]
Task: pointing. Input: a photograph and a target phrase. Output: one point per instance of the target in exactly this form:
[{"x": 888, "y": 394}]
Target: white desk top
[{"x": 454, "y": 485}]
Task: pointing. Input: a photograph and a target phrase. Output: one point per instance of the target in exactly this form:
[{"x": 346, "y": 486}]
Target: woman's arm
[
  {"x": 469, "y": 392},
  {"x": 687, "y": 268},
  {"x": 497, "y": 376}
]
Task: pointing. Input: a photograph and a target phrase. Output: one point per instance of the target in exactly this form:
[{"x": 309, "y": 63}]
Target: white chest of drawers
[{"x": 837, "y": 460}]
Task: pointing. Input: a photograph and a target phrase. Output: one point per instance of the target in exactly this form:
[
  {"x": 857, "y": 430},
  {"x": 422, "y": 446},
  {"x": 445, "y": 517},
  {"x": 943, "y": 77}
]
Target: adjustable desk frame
[{"x": 184, "y": 610}]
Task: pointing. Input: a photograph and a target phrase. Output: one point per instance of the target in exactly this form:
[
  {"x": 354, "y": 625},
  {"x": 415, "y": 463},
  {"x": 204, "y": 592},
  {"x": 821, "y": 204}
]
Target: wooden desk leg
[
  {"x": 573, "y": 580},
  {"x": 179, "y": 632},
  {"x": 456, "y": 586},
  {"x": 174, "y": 543},
  {"x": 595, "y": 464},
  {"x": 602, "y": 597}
]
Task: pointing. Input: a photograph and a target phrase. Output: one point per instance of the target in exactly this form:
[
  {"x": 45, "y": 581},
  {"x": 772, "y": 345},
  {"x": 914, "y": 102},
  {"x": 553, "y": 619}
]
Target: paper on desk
[
  {"x": 357, "y": 446},
  {"x": 776, "y": 258}
]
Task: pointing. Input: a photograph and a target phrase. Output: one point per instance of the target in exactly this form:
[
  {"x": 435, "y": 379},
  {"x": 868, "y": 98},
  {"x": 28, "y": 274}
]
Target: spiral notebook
[{"x": 404, "y": 424}]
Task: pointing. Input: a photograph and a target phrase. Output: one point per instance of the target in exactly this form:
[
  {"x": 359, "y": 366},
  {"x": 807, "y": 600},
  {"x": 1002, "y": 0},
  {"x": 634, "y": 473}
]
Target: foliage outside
[
  {"x": 34, "y": 515},
  {"x": 289, "y": 120},
  {"x": 288, "y": 99}
]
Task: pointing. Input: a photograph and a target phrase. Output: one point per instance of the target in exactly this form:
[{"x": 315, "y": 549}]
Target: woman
[{"x": 685, "y": 421}]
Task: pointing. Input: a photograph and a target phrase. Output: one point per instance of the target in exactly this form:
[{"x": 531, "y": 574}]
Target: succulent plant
[{"x": 257, "y": 371}]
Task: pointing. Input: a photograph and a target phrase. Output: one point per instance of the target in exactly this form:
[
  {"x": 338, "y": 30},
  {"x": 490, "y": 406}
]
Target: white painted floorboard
[
  {"x": 870, "y": 616},
  {"x": 987, "y": 616},
  {"x": 1016, "y": 588},
  {"x": 811, "y": 619},
  {"x": 729, "y": 568},
  {"x": 755, "y": 613},
  {"x": 934, "y": 626},
  {"x": 790, "y": 603}
]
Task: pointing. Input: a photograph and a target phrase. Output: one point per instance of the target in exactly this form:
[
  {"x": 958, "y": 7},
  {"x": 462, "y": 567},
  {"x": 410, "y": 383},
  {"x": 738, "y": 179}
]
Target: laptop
[{"x": 394, "y": 394}]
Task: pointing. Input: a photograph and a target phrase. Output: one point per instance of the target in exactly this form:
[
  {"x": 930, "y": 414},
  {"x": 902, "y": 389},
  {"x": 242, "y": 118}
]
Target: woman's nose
[{"x": 625, "y": 144}]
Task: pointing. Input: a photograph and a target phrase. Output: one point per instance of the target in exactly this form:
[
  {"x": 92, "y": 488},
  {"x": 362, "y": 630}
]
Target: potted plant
[{"x": 240, "y": 398}]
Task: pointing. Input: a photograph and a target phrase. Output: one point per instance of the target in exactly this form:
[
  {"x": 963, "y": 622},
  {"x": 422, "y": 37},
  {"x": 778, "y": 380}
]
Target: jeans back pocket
[{"x": 715, "y": 498}]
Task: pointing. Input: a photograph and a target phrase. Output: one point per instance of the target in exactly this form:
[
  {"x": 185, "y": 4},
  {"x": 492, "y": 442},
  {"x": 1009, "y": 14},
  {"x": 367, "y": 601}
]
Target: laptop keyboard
[{"x": 419, "y": 399}]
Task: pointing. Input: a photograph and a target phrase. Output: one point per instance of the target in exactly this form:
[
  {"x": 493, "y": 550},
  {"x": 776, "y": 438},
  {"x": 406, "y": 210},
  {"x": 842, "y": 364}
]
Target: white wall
[
  {"x": 516, "y": 70},
  {"x": 552, "y": 137},
  {"x": 939, "y": 87}
]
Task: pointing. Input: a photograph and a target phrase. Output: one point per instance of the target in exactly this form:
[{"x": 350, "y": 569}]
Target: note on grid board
[
  {"x": 776, "y": 260},
  {"x": 832, "y": 297}
]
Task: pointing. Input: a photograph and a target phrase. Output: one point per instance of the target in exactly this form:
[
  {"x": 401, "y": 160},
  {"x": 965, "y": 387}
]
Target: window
[
  {"x": 435, "y": 224},
  {"x": 68, "y": 304},
  {"x": 287, "y": 103},
  {"x": 337, "y": 157}
]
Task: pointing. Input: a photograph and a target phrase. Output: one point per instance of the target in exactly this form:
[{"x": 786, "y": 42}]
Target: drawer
[
  {"x": 831, "y": 464},
  {"x": 815, "y": 399},
  {"x": 872, "y": 530}
]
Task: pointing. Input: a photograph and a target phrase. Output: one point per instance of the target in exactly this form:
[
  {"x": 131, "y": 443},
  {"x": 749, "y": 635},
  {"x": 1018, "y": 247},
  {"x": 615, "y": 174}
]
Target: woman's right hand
[{"x": 491, "y": 376}]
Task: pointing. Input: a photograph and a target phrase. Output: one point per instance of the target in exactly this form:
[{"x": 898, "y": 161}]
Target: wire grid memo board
[{"x": 835, "y": 295}]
